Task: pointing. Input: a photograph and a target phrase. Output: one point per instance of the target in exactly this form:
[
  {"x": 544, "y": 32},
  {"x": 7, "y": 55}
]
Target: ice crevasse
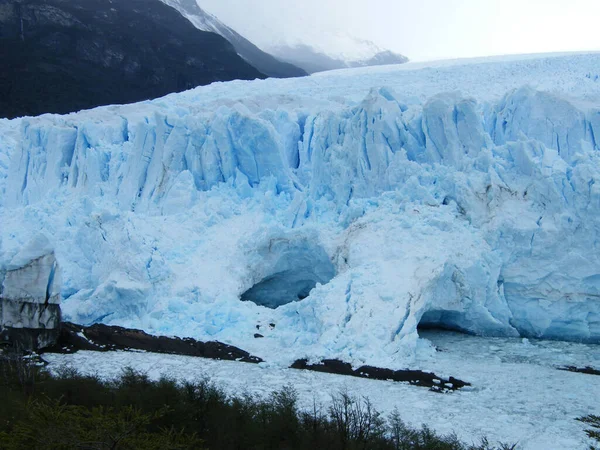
[{"x": 330, "y": 225}]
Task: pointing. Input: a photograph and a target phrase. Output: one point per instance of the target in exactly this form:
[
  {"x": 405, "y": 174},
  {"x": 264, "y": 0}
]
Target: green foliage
[
  {"x": 55, "y": 425},
  {"x": 74, "y": 411},
  {"x": 594, "y": 432},
  {"x": 20, "y": 371}
]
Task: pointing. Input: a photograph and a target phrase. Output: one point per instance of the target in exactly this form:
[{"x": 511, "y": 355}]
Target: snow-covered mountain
[
  {"x": 61, "y": 56},
  {"x": 317, "y": 50},
  {"x": 264, "y": 62},
  {"x": 332, "y": 51},
  {"x": 358, "y": 203}
]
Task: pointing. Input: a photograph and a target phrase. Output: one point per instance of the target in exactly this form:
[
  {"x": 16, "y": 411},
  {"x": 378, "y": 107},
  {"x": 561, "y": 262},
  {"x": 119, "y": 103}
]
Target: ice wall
[
  {"x": 30, "y": 296},
  {"x": 479, "y": 215}
]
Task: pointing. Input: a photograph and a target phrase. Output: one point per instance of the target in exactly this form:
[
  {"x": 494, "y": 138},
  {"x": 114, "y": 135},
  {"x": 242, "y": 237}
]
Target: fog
[{"x": 424, "y": 29}]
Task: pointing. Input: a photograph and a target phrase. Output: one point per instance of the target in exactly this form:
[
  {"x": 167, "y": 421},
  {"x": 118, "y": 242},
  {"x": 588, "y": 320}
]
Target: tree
[{"x": 55, "y": 426}]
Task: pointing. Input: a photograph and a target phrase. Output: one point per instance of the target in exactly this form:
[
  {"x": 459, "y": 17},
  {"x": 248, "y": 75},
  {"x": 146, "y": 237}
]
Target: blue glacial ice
[{"x": 346, "y": 208}]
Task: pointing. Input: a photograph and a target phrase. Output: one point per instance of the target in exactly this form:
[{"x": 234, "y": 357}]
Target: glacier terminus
[{"x": 335, "y": 213}]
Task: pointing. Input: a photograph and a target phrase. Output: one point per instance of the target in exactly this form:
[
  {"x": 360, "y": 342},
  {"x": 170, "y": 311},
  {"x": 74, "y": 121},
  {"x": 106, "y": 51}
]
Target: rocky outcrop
[
  {"x": 414, "y": 377},
  {"x": 587, "y": 370},
  {"x": 30, "y": 297},
  {"x": 104, "y": 338}
]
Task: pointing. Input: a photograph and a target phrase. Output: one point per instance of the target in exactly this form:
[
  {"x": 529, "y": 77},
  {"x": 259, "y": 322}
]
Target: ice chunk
[
  {"x": 119, "y": 295},
  {"x": 33, "y": 275},
  {"x": 30, "y": 294}
]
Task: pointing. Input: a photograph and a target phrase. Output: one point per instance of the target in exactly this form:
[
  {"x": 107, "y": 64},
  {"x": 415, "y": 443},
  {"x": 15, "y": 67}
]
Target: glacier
[{"x": 335, "y": 213}]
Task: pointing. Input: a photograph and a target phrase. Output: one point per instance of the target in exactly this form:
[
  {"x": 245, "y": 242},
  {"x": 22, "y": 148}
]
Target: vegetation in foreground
[
  {"x": 74, "y": 411},
  {"x": 593, "y": 432}
]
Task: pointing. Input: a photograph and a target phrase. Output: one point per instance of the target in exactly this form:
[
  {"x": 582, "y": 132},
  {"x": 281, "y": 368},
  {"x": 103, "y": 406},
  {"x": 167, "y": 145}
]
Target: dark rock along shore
[{"x": 106, "y": 338}]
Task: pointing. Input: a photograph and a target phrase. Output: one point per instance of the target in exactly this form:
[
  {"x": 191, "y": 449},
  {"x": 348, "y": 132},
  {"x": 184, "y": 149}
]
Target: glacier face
[{"x": 399, "y": 198}]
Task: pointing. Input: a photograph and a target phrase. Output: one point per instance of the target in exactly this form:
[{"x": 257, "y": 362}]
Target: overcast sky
[{"x": 423, "y": 29}]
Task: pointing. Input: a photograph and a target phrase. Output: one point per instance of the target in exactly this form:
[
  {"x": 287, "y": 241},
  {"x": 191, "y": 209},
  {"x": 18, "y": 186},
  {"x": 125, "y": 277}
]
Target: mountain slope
[
  {"x": 313, "y": 60},
  {"x": 322, "y": 50},
  {"x": 65, "y": 55},
  {"x": 264, "y": 62}
]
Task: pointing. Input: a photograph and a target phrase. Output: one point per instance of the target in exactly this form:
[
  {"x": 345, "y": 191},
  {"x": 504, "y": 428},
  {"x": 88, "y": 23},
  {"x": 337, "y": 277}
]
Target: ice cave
[{"x": 295, "y": 269}]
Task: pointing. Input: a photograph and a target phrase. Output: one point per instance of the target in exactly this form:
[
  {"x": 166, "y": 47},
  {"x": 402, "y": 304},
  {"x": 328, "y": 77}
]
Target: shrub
[
  {"x": 357, "y": 423},
  {"x": 55, "y": 425},
  {"x": 71, "y": 410},
  {"x": 593, "y": 433}
]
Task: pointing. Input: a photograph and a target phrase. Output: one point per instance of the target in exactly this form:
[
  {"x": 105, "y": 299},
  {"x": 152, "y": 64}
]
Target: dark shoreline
[{"x": 104, "y": 338}]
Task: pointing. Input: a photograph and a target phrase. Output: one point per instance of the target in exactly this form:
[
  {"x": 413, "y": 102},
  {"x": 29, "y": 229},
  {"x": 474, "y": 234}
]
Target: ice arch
[
  {"x": 295, "y": 269},
  {"x": 439, "y": 319}
]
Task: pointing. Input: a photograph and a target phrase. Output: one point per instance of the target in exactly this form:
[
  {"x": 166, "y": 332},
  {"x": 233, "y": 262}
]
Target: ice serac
[
  {"x": 30, "y": 296},
  {"x": 343, "y": 224}
]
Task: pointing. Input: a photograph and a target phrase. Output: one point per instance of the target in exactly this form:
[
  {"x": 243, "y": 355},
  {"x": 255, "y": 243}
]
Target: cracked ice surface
[
  {"x": 464, "y": 191},
  {"x": 517, "y": 393}
]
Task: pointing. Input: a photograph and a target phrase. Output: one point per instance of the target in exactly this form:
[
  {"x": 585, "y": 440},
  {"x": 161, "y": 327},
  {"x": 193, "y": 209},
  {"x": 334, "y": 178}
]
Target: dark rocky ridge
[
  {"x": 65, "y": 55},
  {"x": 587, "y": 370},
  {"x": 104, "y": 338},
  {"x": 415, "y": 377}
]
